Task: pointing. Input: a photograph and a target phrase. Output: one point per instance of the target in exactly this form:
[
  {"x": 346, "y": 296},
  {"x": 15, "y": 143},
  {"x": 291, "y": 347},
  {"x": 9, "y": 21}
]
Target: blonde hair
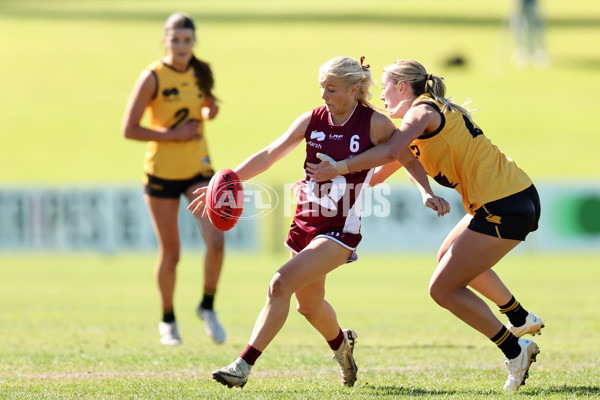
[
  {"x": 414, "y": 74},
  {"x": 350, "y": 72}
]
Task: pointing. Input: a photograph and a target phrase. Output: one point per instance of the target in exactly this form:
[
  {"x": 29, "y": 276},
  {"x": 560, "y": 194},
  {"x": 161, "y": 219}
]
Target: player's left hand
[
  {"x": 199, "y": 202},
  {"x": 209, "y": 112},
  {"x": 323, "y": 171},
  {"x": 209, "y": 109},
  {"x": 438, "y": 204}
]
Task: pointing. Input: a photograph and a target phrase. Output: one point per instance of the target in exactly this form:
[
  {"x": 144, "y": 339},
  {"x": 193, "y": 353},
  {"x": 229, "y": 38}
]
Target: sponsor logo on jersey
[
  {"x": 170, "y": 92},
  {"x": 335, "y": 137},
  {"x": 320, "y": 136}
]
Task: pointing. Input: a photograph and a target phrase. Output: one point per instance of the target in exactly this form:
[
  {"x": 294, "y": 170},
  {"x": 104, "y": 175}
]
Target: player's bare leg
[
  {"x": 312, "y": 264},
  {"x": 164, "y": 213},
  {"x": 469, "y": 256},
  {"x": 322, "y": 316},
  {"x": 489, "y": 284},
  {"x": 317, "y": 311},
  {"x": 214, "y": 241},
  {"x": 319, "y": 258}
]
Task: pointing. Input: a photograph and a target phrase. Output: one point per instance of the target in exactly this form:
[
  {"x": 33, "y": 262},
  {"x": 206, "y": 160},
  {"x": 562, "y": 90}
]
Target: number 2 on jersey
[{"x": 180, "y": 116}]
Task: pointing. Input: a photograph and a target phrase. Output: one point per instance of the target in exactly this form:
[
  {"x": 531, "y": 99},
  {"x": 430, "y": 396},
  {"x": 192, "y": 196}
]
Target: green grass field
[{"x": 85, "y": 327}]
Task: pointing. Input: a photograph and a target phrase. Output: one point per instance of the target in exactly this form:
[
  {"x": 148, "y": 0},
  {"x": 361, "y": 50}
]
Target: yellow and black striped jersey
[
  {"x": 177, "y": 100},
  {"x": 460, "y": 156}
]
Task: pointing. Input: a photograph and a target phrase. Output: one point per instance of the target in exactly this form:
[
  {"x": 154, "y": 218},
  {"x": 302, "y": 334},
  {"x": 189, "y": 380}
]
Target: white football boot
[
  {"x": 212, "y": 326},
  {"x": 533, "y": 325},
  {"x": 169, "y": 334},
  {"x": 518, "y": 367},
  {"x": 235, "y": 374},
  {"x": 345, "y": 357}
]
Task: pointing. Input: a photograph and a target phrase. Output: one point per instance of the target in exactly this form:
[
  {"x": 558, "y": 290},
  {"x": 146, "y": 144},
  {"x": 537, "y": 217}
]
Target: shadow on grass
[
  {"x": 400, "y": 391},
  {"x": 421, "y": 346},
  {"x": 566, "y": 390},
  {"x": 562, "y": 391}
]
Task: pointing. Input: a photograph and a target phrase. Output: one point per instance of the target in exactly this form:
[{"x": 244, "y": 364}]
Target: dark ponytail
[{"x": 204, "y": 76}]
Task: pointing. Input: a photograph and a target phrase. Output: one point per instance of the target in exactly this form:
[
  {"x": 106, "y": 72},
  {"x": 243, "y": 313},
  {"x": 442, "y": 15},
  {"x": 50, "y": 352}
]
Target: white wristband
[{"x": 341, "y": 167}]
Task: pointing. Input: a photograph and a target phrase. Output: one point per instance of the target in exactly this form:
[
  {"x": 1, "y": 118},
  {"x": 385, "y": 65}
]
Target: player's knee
[
  {"x": 306, "y": 309},
  {"x": 169, "y": 258},
  {"x": 279, "y": 287},
  {"x": 438, "y": 293},
  {"x": 302, "y": 309}
]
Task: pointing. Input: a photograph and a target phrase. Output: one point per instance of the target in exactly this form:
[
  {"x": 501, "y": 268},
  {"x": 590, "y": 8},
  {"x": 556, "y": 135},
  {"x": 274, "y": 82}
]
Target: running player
[
  {"x": 501, "y": 202},
  {"x": 326, "y": 227},
  {"x": 177, "y": 93}
]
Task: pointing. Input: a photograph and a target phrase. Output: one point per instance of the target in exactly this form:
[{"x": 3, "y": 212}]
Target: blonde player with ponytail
[
  {"x": 501, "y": 202},
  {"x": 325, "y": 231}
]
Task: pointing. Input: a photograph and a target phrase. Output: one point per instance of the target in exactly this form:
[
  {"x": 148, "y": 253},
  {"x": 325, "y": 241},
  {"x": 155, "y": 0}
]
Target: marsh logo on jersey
[{"x": 320, "y": 136}]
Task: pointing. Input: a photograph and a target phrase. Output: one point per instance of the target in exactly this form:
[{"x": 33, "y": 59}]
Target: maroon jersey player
[
  {"x": 325, "y": 230},
  {"x": 333, "y": 208}
]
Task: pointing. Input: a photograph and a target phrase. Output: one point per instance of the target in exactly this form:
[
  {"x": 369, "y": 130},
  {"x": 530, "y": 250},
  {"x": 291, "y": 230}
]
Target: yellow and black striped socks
[
  {"x": 514, "y": 311},
  {"x": 507, "y": 342}
]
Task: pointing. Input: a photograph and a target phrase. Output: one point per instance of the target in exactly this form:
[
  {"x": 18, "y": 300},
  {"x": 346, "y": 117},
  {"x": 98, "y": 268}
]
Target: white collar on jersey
[{"x": 343, "y": 123}]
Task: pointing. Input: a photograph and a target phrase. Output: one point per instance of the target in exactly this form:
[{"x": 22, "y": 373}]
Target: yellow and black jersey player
[
  {"x": 177, "y": 100},
  {"x": 458, "y": 155},
  {"x": 176, "y": 92},
  {"x": 502, "y": 205}
]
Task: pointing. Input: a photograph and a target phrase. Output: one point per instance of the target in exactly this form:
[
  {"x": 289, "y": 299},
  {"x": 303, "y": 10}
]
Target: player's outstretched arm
[
  {"x": 260, "y": 161},
  {"x": 263, "y": 160}
]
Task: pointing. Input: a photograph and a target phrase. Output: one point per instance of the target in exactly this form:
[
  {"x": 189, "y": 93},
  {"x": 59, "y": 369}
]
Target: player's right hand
[
  {"x": 438, "y": 204},
  {"x": 324, "y": 170},
  {"x": 199, "y": 202},
  {"x": 187, "y": 131}
]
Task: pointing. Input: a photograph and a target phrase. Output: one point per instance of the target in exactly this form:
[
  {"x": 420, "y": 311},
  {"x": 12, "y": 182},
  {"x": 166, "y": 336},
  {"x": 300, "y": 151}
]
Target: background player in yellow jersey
[
  {"x": 177, "y": 94},
  {"x": 501, "y": 202}
]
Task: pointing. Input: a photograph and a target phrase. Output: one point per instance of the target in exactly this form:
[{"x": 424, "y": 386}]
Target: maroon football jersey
[{"x": 334, "y": 205}]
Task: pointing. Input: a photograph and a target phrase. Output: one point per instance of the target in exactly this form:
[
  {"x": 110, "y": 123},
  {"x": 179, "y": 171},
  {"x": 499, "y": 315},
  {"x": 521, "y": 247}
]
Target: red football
[{"x": 224, "y": 199}]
